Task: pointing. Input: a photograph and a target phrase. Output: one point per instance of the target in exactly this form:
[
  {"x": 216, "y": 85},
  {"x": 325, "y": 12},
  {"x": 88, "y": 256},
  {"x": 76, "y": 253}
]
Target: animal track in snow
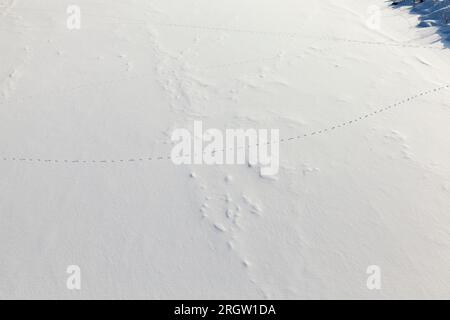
[
  {"x": 227, "y": 210},
  {"x": 8, "y": 85}
]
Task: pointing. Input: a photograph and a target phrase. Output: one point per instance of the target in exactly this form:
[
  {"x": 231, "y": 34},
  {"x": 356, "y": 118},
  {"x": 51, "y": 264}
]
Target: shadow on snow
[{"x": 432, "y": 13}]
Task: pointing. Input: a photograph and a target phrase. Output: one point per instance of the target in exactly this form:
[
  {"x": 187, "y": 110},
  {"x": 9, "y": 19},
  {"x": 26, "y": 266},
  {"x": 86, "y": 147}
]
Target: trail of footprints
[
  {"x": 226, "y": 213},
  {"x": 226, "y": 210}
]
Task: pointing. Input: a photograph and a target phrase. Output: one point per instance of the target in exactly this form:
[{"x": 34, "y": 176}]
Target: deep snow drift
[{"x": 359, "y": 94}]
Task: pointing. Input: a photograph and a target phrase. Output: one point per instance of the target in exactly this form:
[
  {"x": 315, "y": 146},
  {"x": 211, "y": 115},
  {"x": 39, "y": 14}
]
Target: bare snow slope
[{"x": 356, "y": 191}]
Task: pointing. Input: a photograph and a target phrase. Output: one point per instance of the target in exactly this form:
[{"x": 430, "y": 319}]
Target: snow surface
[{"x": 369, "y": 184}]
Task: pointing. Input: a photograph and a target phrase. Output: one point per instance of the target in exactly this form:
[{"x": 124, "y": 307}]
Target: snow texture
[{"x": 85, "y": 126}]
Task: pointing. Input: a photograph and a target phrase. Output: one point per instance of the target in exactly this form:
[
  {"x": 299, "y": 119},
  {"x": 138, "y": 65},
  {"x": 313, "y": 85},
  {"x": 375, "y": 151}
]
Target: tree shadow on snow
[{"x": 432, "y": 13}]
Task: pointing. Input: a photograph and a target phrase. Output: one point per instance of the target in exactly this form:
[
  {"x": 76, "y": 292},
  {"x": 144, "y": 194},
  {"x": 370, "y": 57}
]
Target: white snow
[{"x": 86, "y": 119}]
